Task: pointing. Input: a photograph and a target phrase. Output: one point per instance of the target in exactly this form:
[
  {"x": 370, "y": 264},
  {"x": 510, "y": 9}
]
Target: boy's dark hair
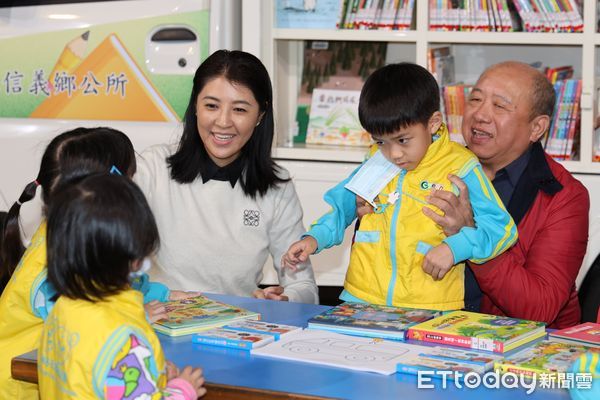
[
  {"x": 96, "y": 229},
  {"x": 260, "y": 171},
  {"x": 397, "y": 96},
  {"x": 70, "y": 155}
]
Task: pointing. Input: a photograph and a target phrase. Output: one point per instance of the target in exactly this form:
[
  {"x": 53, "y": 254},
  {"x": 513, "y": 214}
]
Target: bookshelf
[{"x": 282, "y": 51}]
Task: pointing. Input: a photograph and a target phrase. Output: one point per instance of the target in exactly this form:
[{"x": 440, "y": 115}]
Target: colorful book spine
[{"x": 233, "y": 338}]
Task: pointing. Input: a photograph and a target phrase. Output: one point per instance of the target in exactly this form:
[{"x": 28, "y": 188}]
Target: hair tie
[
  {"x": 36, "y": 182},
  {"x": 19, "y": 203}
]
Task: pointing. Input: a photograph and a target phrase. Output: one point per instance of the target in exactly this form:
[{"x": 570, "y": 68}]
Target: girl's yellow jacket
[
  {"x": 387, "y": 255},
  {"x": 101, "y": 350}
]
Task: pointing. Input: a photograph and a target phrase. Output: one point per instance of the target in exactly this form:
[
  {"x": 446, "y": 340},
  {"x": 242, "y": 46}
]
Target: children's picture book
[
  {"x": 197, "y": 314},
  {"x": 544, "y": 357},
  {"x": 233, "y": 338},
  {"x": 372, "y": 177},
  {"x": 270, "y": 328},
  {"x": 478, "y": 331},
  {"x": 343, "y": 351},
  {"x": 333, "y": 119},
  {"x": 587, "y": 334},
  {"x": 370, "y": 320},
  {"x": 308, "y": 14}
]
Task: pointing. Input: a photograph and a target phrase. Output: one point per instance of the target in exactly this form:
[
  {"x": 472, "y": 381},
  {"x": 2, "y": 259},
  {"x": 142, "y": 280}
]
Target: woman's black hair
[
  {"x": 396, "y": 96},
  {"x": 259, "y": 169},
  {"x": 70, "y": 155},
  {"x": 96, "y": 229}
]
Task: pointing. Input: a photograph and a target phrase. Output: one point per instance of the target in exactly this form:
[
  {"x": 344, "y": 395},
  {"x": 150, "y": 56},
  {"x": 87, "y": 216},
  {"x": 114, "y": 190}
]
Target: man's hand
[
  {"x": 362, "y": 207},
  {"x": 457, "y": 210},
  {"x": 299, "y": 252},
  {"x": 438, "y": 261},
  {"x": 271, "y": 293}
]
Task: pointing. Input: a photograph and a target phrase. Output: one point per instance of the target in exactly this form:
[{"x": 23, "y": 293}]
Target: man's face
[{"x": 496, "y": 124}]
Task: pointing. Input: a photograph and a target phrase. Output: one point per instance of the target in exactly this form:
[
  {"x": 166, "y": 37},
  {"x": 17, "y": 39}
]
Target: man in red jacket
[{"x": 506, "y": 115}]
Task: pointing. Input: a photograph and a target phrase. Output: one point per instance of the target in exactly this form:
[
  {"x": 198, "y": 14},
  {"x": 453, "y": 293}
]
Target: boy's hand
[
  {"x": 195, "y": 377},
  {"x": 181, "y": 295},
  {"x": 155, "y": 310},
  {"x": 299, "y": 252},
  {"x": 271, "y": 293},
  {"x": 362, "y": 207},
  {"x": 438, "y": 261}
]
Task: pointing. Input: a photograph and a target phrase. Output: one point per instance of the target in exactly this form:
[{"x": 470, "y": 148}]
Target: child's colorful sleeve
[
  {"x": 180, "y": 389},
  {"x": 329, "y": 229},
  {"x": 150, "y": 290},
  {"x": 587, "y": 377},
  {"x": 494, "y": 232}
]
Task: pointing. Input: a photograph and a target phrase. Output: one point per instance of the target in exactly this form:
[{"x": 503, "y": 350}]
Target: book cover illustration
[
  {"x": 544, "y": 357},
  {"x": 370, "y": 319},
  {"x": 233, "y": 338},
  {"x": 199, "y": 313},
  {"x": 308, "y": 14},
  {"x": 340, "y": 66},
  {"x": 270, "y": 328},
  {"x": 478, "y": 331},
  {"x": 587, "y": 333}
]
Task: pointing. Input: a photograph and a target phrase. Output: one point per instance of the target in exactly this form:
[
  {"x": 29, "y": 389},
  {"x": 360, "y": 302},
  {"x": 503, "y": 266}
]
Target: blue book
[
  {"x": 305, "y": 14},
  {"x": 233, "y": 338},
  {"x": 269, "y": 328}
]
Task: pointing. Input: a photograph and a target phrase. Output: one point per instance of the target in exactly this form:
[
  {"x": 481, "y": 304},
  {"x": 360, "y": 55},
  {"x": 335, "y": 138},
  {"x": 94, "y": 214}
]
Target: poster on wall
[{"x": 134, "y": 70}]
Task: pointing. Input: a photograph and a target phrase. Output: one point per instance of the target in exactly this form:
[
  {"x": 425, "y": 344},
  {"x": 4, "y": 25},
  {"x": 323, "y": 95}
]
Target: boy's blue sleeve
[
  {"x": 150, "y": 290},
  {"x": 494, "y": 232},
  {"x": 329, "y": 229}
]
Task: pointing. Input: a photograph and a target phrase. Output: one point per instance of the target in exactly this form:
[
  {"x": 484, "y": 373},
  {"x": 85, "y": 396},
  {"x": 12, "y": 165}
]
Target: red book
[{"x": 587, "y": 334}]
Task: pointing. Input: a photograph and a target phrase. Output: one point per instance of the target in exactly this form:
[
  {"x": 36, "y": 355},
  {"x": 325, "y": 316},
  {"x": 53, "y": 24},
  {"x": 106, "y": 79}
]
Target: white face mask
[{"x": 145, "y": 267}]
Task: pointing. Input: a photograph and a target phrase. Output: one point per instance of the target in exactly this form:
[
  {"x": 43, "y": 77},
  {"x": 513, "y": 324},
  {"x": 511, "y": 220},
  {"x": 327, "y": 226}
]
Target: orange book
[{"x": 135, "y": 100}]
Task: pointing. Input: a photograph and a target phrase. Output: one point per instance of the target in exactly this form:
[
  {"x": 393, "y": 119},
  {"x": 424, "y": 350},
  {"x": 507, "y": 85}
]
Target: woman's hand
[
  {"x": 457, "y": 210},
  {"x": 155, "y": 310},
  {"x": 181, "y": 295},
  {"x": 271, "y": 293}
]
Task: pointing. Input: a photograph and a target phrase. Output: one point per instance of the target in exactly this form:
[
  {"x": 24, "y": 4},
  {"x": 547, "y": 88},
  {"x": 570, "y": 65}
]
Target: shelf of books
[{"x": 319, "y": 53}]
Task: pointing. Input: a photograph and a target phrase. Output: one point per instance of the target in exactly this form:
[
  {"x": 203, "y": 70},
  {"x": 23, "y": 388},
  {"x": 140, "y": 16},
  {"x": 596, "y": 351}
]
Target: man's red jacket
[{"x": 535, "y": 279}]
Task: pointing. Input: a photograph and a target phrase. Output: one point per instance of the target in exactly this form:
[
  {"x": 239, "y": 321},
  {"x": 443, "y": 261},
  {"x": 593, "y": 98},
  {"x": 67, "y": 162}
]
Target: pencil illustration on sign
[
  {"x": 70, "y": 58},
  {"x": 107, "y": 84}
]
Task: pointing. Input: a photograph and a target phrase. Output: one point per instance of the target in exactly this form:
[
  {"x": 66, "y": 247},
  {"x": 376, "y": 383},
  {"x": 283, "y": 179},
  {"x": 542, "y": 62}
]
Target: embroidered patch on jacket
[
  {"x": 431, "y": 185},
  {"x": 251, "y": 217}
]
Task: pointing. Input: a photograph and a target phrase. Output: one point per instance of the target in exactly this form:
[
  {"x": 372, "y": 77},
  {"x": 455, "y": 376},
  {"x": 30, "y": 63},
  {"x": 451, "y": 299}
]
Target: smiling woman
[{"x": 221, "y": 204}]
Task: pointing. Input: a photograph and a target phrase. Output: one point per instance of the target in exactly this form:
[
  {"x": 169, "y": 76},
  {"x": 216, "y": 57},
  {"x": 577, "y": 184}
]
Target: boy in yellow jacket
[{"x": 400, "y": 256}]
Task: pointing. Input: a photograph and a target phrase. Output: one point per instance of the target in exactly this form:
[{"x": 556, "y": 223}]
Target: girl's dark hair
[
  {"x": 397, "y": 96},
  {"x": 96, "y": 229},
  {"x": 260, "y": 171},
  {"x": 70, "y": 155}
]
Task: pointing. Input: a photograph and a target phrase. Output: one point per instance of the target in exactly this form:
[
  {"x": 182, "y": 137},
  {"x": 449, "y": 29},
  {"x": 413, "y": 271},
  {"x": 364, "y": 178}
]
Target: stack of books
[
  {"x": 587, "y": 334},
  {"x": 371, "y": 320},
  {"x": 478, "y": 331},
  {"x": 199, "y": 313}
]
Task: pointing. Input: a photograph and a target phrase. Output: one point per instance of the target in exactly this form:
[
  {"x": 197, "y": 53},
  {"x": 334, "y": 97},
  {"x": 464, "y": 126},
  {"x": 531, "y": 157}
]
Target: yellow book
[
  {"x": 120, "y": 90},
  {"x": 478, "y": 331},
  {"x": 545, "y": 357}
]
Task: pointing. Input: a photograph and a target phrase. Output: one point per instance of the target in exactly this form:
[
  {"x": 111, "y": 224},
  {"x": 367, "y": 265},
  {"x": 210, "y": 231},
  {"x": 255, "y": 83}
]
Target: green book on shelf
[{"x": 197, "y": 314}]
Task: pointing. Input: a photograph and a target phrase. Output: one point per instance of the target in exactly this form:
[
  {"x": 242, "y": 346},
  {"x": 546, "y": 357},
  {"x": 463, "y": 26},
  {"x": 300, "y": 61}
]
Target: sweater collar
[{"x": 536, "y": 176}]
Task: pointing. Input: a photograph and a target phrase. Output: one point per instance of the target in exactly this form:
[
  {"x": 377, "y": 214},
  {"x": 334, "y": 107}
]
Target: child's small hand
[
  {"x": 438, "y": 261},
  {"x": 195, "y": 377},
  {"x": 172, "y": 370},
  {"x": 181, "y": 295},
  {"x": 271, "y": 293},
  {"x": 299, "y": 252},
  {"x": 155, "y": 310},
  {"x": 363, "y": 207}
]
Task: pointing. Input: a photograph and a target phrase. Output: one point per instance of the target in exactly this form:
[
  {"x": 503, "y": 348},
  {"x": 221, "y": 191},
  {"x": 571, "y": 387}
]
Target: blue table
[{"x": 238, "y": 368}]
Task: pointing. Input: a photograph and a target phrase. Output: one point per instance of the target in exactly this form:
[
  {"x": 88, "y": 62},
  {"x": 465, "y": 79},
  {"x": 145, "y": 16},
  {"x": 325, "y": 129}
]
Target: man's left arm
[
  {"x": 537, "y": 284},
  {"x": 494, "y": 231}
]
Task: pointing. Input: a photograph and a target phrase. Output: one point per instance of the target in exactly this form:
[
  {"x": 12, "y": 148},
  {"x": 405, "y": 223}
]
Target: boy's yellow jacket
[
  {"x": 101, "y": 350},
  {"x": 389, "y": 247}
]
